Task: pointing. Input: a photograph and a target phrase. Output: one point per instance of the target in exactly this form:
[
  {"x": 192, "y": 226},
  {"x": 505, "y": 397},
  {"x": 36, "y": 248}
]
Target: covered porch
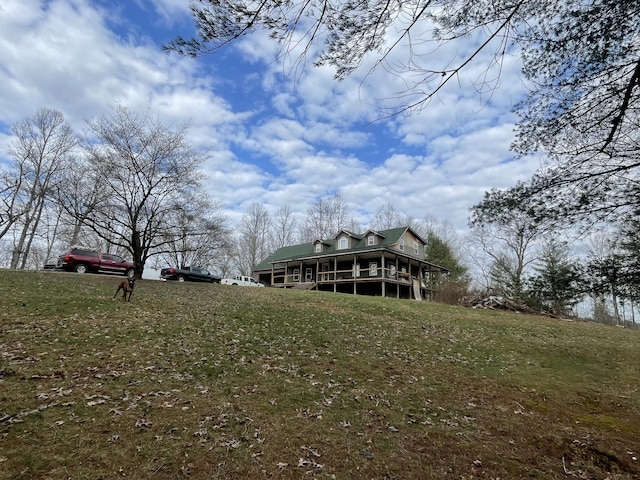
[{"x": 385, "y": 274}]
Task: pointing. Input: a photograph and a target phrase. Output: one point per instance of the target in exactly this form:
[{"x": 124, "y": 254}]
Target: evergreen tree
[
  {"x": 605, "y": 279},
  {"x": 557, "y": 282},
  {"x": 450, "y": 288},
  {"x": 621, "y": 268},
  {"x": 630, "y": 246},
  {"x": 439, "y": 252},
  {"x": 505, "y": 276}
]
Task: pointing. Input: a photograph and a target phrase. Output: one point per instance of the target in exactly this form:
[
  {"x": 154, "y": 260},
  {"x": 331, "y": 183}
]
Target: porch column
[
  {"x": 355, "y": 280},
  {"x": 384, "y": 276},
  {"x": 411, "y": 284},
  {"x": 397, "y": 278}
]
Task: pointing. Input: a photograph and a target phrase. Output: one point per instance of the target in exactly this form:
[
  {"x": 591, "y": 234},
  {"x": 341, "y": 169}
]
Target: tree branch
[{"x": 617, "y": 120}]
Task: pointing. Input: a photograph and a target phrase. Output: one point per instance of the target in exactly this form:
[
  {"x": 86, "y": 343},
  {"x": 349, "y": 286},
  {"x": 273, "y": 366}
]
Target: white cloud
[
  {"x": 301, "y": 135},
  {"x": 168, "y": 10}
]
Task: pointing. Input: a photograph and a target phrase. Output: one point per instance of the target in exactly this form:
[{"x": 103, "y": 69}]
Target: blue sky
[{"x": 272, "y": 137}]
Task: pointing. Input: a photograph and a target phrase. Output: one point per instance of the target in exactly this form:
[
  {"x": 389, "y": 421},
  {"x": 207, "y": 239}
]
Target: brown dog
[{"x": 127, "y": 289}]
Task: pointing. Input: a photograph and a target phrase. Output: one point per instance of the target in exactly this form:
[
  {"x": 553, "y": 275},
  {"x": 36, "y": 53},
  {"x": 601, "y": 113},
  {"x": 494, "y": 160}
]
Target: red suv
[{"x": 82, "y": 260}]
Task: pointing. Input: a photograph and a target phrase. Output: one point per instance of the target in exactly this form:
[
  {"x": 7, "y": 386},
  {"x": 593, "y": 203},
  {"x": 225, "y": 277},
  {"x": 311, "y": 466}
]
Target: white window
[
  {"x": 401, "y": 245},
  {"x": 342, "y": 243},
  {"x": 357, "y": 269},
  {"x": 308, "y": 275},
  {"x": 371, "y": 240},
  {"x": 416, "y": 249},
  {"x": 296, "y": 274},
  {"x": 373, "y": 269},
  {"x": 318, "y": 247}
]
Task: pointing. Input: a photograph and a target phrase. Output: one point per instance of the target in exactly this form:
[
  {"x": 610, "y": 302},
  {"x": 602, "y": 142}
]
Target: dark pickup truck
[
  {"x": 189, "y": 274},
  {"x": 82, "y": 260}
]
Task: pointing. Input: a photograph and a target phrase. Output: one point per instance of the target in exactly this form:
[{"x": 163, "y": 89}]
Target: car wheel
[
  {"x": 234, "y": 284},
  {"x": 81, "y": 268},
  {"x": 181, "y": 278}
]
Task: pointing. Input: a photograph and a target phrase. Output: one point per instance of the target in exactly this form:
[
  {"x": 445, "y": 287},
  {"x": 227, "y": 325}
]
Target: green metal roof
[{"x": 387, "y": 238}]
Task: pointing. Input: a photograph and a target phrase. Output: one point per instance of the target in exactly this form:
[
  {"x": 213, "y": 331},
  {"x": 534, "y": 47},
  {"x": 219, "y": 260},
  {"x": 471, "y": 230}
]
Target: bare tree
[
  {"x": 284, "y": 225},
  {"x": 226, "y": 262},
  {"x": 509, "y": 229},
  {"x": 326, "y": 218},
  {"x": 199, "y": 237},
  {"x": 10, "y": 183},
  {"x": 150, "y": 176},
  {"x": 608, "y": 275},
  {"x": 41, "y": 150},
  {"x": 253, "y": 238},
  {"x": 50, "y": 232},
  {"x": 443, "y": 230},
  {"x": 82, "y": 191},
  {"x": 387, "y": 217}
]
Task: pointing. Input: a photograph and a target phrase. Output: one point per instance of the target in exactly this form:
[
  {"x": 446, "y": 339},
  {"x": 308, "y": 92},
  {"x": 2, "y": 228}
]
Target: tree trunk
[
  {"x": 137, "y": 254},
  {"x": 77, "y": 226},
  {"x": 18, "y": 249},
  {"x": 614, "y": 300},
  {"x": 51, "y": 240},
  {"x": 32, "y": 233}
]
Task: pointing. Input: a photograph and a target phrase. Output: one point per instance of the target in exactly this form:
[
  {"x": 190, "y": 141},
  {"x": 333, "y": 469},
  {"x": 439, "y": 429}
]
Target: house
[{"x": 388, "y": 263}]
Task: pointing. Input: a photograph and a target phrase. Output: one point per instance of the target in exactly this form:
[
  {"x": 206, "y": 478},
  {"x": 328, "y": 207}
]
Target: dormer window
[
  {"x": 343, "y": 243},
  {"x": 318, "y": 247},
  {"x": 371, "y": 240}
]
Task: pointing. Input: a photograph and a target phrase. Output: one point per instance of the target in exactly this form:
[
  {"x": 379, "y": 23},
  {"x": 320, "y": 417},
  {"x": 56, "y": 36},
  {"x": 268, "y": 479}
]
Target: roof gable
[
  {"x": 372, "y": 232},
  {"x": 348, "y": 233},
  {"x": 387, "y": 238}
]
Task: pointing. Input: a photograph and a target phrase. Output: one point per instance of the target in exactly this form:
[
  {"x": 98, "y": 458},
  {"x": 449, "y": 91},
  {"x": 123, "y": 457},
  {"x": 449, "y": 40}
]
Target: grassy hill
[{"x": 206, "y": 381}]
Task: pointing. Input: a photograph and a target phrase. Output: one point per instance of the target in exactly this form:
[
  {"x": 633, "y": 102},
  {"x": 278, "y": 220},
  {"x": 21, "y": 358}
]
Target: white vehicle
[{"x": 242, "y": 281}]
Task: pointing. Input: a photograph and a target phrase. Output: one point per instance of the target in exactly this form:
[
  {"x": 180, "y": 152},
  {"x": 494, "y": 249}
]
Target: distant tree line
[
  {"x": 543, "y": 260},
  {"x": 131, "y": 186}
]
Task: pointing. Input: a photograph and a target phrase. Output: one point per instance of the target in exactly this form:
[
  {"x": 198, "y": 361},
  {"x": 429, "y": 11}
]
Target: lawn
[{"x": 206, "y": 381}]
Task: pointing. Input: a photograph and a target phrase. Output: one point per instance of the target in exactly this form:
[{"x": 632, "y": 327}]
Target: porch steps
[{"x": 304, "y": 285}]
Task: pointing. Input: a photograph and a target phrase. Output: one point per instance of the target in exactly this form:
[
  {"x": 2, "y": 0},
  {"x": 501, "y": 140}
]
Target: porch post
[
  {"x": 384, "y": 276},
  {"x": 411, "y": 285},
  {"x": 397, "y": 278},
  {"x": 353, "y": 272}
]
